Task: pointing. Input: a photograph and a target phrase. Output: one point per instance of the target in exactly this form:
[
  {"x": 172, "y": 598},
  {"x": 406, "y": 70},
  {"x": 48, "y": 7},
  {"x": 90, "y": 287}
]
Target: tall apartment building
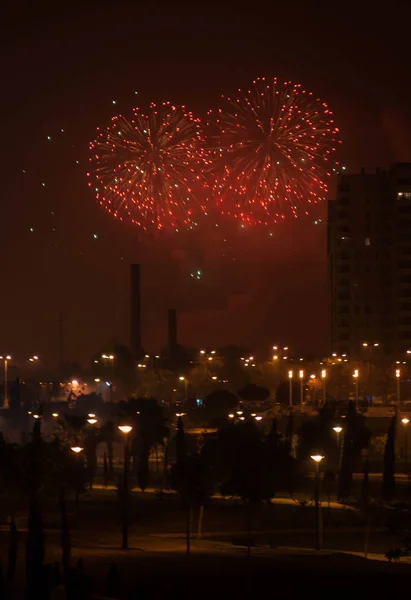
[{"x": 369, "y": 262}]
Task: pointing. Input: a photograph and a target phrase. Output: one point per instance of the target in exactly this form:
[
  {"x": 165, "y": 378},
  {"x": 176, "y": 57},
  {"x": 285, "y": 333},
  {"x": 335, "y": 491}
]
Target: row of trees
[{"x": 232, "y": 368}]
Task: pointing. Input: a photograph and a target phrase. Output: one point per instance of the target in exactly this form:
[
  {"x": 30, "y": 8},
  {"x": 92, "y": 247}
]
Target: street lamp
[
  {"x": 182, "y": 378},
  {"x": 324, "y": 378},
  {"x": 301, "y": 376},
  {"x": 290, "y": 378},
  {"x": 405, "y": 422},
  {"x": 398, "y": 378},
  {"x": 33, "y": 358},
  {"x": 77, "y": 450},
  {"x": 317, "y": 458},
  {"x": 6, "y": 358},
  {"x": 92, "y": 421},
  {"x": 125, "y": 429},
  {"x": 356, "y": 375},
  {"x": 337, "y": 430}
]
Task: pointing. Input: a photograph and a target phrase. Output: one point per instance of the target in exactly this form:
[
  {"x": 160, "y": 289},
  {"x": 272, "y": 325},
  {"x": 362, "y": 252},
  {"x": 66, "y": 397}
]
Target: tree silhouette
[
  {"x": 356, "y": 438},
  {"x": 218, "y": 403},
  {"x": 143, "y": 469},
  {"x": 253, "y": 394},
  {"x": 35, "y": 552},
  {"x": 12, "y": 557}
]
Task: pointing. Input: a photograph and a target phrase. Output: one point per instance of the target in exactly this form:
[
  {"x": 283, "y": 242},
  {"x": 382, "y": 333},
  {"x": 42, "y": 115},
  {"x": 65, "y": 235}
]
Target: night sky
[{"x": 63, "y": 67}]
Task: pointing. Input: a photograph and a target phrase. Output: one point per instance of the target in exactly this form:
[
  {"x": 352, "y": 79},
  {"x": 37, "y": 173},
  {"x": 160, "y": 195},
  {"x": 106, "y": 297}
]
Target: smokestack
[
  {"x": 172, "y": 331},
  {"x": 135, "y": 311}
]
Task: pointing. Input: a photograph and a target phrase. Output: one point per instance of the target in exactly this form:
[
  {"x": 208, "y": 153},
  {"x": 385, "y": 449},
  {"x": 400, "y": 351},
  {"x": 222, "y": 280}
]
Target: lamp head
[
  {"x": 317, "y": 458},
  {"x": 125, "y": 429}
]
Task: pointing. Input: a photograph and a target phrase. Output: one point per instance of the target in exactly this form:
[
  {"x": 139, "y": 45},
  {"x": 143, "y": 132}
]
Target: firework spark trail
[
  {"x": 149, "y": 169},
  {"x": 272, "y": 151}
]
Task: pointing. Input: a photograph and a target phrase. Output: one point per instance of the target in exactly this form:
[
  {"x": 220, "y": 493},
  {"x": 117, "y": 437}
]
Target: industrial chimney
[
  {"x": 172, "y": 332},
  {"x": 135, "y": 312}
]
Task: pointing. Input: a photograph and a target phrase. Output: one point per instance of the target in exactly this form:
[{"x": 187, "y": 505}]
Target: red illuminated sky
[{"x": 62, "y": 68}]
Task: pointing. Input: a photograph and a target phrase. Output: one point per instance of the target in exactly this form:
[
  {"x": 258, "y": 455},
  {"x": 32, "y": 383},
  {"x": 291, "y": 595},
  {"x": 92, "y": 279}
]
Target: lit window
[{"x": 367, "y": 242}]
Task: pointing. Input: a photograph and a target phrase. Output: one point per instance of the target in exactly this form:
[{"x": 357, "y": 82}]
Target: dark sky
[{"x": 62, "y": 68}]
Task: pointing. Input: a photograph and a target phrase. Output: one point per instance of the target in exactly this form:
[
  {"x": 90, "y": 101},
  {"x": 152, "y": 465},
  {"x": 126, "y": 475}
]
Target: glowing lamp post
[
  {"x": 398, "y": 379},
  {"x": 290, "y": 395},
  {"x": 77, "y": 450},
  {"x": 324, "y": 379},
  {"x": 301, "y": 376},
  {"x": 125, "y": 429},
  {"x": 317, "y": 458},
  {"x": 338, "y": 430},
  {"x": 6, "y": 399},
  {"x": 356, "y": 375},
  {"x": 405, "y": 422},
  {"x": 182, "y": 378}
]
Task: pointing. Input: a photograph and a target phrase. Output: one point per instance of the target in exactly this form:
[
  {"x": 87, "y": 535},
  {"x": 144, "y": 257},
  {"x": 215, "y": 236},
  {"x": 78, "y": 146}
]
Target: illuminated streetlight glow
[
  {"x": 301, "y": 376},
  {"x": 97, "y": 379},
  {"x": 76, "y": 449},
  {"x": 317, "y": 458},
  {"x": 231, "y": 416},
  {"x": 91, "y": 415},
  {"x": 125, "y": 429},
  {"x": 36, "y": 416},
  {"x": 55, "y": 415},
  {"x": 405, "y": 421},
  {"x": 290, "y": 389},
  {"x": 242, "y": 418},
  {"x": 181, "y": 378},
  {"x": 239, "y": 412},
  {"x": 398, "y": 375},
  {"x": 92, "y": 421},
  {"x": 258, "y": 418},
  {"x": 337, "y": 430},
  {"x": 74, "y": 382},
  {"x": 6, "y": 358}
]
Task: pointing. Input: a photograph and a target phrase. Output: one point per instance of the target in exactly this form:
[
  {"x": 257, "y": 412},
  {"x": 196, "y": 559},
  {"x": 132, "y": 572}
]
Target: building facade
[{"x": 369, "y": 262}]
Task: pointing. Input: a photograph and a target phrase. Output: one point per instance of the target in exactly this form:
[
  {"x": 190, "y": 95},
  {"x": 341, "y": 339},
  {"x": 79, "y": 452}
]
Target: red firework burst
[
  {"x": 148, "y": 169},
  {"x": 272, "y": 152}
]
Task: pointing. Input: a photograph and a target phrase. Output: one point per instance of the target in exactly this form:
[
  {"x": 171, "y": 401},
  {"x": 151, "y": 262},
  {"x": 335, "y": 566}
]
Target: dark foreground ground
[
  {"x": 213, "y": 574},
  {"x": 282, "y": 557}
]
